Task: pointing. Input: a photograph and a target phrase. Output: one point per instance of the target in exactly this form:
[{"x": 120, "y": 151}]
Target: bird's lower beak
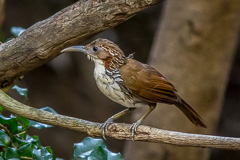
[{"x": 75, "y": 49}]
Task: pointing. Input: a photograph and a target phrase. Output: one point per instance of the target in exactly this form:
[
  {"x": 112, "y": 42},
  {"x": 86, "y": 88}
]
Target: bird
[{"x": 131, "y": 83}]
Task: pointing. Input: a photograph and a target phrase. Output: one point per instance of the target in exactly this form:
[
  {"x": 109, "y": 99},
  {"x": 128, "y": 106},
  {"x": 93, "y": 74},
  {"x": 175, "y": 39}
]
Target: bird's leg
[
  {"x": 104, "y": 126},
  {"x": 133, "y": 127}
]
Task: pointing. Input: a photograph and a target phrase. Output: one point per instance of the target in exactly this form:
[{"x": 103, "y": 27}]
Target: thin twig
[
  {"x": 23, "y": 157},
  {"x": 119, "y": 131},
  {"x": 9, "y": 134}
]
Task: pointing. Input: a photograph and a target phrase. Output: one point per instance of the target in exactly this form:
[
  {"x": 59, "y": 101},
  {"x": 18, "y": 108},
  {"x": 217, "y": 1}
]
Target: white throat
[
  {"x": 99, "y": 67},
  {"x": 109, "y": 86}
]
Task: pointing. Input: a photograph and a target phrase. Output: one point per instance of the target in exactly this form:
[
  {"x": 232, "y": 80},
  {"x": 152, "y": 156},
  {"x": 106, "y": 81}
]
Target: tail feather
[{"x": 192, "y": 115}]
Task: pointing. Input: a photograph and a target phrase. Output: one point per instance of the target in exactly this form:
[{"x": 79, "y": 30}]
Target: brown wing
[{"x": 147, "y": 83}]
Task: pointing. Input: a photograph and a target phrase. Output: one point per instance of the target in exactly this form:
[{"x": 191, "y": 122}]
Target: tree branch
[
  {"x": 44, "y": 40},
  {"x": 119, "y": 130}
]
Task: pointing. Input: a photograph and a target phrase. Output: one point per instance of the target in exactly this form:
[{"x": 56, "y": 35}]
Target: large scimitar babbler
[{"x": 131, "y": 83}]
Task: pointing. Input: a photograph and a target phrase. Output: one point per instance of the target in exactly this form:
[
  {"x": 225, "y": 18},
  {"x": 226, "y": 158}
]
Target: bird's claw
[
  {"x": 133, "y": 128},
  {"x": 104, "y": 126}
]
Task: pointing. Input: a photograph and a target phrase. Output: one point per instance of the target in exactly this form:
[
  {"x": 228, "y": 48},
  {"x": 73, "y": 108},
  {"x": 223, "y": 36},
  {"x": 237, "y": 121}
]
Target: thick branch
[
  {"x": 119, "y": 131},
  {"x": 43, "y": 41}
]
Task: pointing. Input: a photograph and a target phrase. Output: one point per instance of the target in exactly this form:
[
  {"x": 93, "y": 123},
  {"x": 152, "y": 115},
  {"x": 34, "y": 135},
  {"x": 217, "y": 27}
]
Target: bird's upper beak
[{"x": 75, "y": 49}]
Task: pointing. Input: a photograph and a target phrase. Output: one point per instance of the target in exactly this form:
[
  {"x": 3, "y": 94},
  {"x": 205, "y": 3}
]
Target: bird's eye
[{"x": 95, "y": 48}]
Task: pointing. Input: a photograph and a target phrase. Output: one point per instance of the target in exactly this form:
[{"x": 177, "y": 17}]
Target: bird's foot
[
  {"x": 133, "y": 128},
  {"x": 104, "y": 126}
]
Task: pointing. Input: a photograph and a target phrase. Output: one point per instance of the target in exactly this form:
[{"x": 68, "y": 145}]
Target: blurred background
[{"x": 66, "y": 83}]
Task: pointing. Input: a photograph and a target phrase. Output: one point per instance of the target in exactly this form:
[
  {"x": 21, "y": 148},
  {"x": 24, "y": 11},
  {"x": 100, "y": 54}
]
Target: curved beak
[{"x": 75, "y": 49}]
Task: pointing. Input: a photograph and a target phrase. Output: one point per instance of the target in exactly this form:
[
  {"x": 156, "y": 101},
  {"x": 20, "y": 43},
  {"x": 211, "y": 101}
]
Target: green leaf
[
  {"x": 11, "y": 153},
  {"x": 11, "y": 122},
  {"x": 26, "y": 150},
  {"x": 4, "y": 139},
  {"x": 85, "y": 148},
  {"x": 40, "y": 125},
  {"x": 98, "y": 154},
  {"x": 25, "y": 140},
  {"x": 29, "y": 123},
  {"x": 21, "y": 91},
  {"x": 94, "y": 149},
  {"x": 1, "y": 155},
  {"x": 19, "y": 141},
  {"x": 32, "y": 139},
  {"x": 1, "y": 108},
  {"x": 49, "y": 149},
  {"x": 49, "y": 109},
  {"x": 42, "y": 154},
  {"x": 16, "y": 31},
  {"x": 37, "y": 154},
  {"x": 24, "y": 121}
]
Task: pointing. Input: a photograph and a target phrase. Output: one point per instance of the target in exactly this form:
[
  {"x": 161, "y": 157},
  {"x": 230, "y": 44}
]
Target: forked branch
[{"x": 119, "y": 131}]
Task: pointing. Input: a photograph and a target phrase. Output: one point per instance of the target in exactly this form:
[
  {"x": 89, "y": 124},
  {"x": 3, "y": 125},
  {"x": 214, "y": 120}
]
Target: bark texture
[
  {"x": 43, "y": 41},
  {"x": 194, "y": 49},
  {"x": 119, "y": 131}
]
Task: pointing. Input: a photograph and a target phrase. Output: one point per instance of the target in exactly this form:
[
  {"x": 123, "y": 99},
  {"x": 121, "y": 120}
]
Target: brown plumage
[
  {"x": 131, "y": 83},
  {"x": 148, "y": 84}
]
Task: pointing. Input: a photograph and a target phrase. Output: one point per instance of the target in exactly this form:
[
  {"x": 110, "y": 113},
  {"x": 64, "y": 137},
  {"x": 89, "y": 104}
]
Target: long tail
[{"x": 192, "y": 115}]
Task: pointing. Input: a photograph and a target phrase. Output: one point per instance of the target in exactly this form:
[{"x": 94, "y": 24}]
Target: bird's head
[{"x": 102, "y": 51}]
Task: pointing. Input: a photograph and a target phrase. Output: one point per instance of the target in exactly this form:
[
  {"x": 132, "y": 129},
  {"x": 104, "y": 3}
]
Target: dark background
[{"x": 66, "y": 83}]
